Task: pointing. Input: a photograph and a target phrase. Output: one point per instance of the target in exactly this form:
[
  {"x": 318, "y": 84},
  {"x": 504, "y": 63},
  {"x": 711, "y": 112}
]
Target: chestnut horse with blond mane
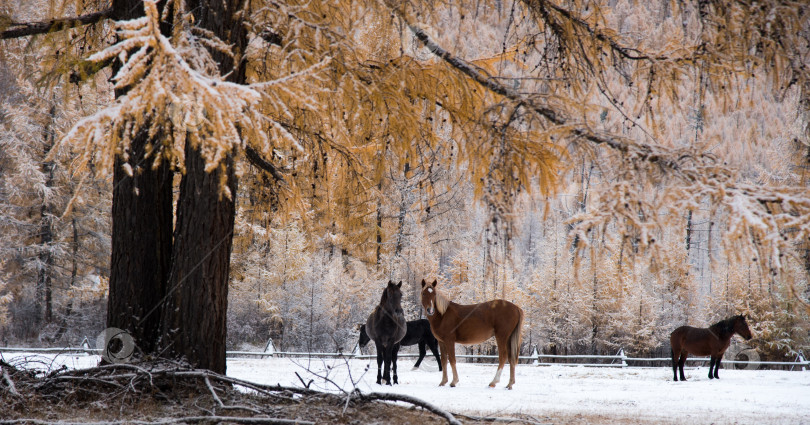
[{"x": 453, "y": 323}]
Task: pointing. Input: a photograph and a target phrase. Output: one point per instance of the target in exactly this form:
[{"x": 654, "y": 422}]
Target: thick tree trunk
[
  {"x": 194, "y": 317},
  {"x": 141, "y": 247},
  {"x": 169, "y": 292},
  {"x": 141, "y": 233}
]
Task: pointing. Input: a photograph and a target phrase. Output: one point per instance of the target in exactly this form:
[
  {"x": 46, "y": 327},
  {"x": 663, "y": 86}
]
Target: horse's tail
[{"x": 514, "y": 339}]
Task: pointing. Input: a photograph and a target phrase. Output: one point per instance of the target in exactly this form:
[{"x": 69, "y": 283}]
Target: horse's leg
[
  {"x": 394, "y": 362},
  {"x": 514, "y": 359},
  {"x": 443, "y": 348},
  {"x": 502, "y": 353},
  {"x": 387, "y": 367},
  {"x": 681, "y": 363},
  {"x": 451, "y": 355},
  {"x": 434, "y": 348},
  {"x": 674, "y": 365},
  {"x": 717, "y": 365},
  {"x": 711, "y": 366},
  {"x": 422, "y": 352},
  {"x": 379, "y": 348}
]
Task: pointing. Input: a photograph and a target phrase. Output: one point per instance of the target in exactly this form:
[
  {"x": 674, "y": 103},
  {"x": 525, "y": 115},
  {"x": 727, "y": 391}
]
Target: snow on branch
[
  {"x": 759, "y": 224},
  {"x": 765, "y": 222},
  {"x": 177, "y": 98}
]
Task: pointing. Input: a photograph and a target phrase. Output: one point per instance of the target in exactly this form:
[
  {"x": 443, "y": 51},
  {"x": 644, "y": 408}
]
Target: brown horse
[
  {"x": 453, "y": 323},
  {"x": 712, "y": 341}
]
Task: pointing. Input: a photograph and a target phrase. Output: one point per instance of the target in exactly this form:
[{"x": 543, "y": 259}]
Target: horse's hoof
[
  {"x": 492, "y": 385},
  {"x": 508, "y": 387},
  {"x": 452, "y": 385}
]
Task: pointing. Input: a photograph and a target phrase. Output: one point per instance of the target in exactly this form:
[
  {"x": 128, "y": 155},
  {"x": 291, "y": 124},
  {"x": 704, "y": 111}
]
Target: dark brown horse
[
  {"x": 386, "y": 326},
  {"x": 712, "y": 341},
  {"x": 453, "y": 323},
  {"x": 418, "y": 332}
]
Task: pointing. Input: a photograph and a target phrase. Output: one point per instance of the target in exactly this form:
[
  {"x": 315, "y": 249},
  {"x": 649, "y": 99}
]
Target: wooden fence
[{"x": 583, "y": 360}]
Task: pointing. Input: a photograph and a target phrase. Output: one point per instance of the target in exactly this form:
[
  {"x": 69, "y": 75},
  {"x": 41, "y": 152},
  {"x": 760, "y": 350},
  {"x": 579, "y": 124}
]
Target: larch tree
[{"x": 313, "y": 95}]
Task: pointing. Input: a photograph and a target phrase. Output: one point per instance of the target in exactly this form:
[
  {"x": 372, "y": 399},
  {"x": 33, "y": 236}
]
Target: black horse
[
  {"x": 386, "y": 326},
  {"x": 418, "y": 332}
]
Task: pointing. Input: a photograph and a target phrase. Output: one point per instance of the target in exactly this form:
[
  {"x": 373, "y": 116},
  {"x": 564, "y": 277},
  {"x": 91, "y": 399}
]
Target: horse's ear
[
  {"x": 434, "y": 283},
  {"x": 399, "y": 285},
  {"x": 423, "y": 283}
]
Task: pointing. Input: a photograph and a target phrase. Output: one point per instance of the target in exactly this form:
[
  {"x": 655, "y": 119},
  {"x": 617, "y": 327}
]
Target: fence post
[
  {"x": 536, "y": 356},
  {"x": 622, "y": 356},
  {"x": 356, "y": 352},
  {"x": 269, "y": 348},
  {"x": 800, "y": 359},
  {"x": 86, "y": 345}
]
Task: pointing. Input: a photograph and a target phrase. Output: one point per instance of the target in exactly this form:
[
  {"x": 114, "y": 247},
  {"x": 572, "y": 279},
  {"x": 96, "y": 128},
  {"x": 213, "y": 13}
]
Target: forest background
[{"x": 305, "y": 273}]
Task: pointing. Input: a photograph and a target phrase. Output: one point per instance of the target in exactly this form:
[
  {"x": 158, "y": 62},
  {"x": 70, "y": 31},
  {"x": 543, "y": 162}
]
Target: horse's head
[
  {"x": 364, "y": 339},
  {"x": 392, "y": 295},
  {"x": 429, "y": 297},
  {"x": 741, "y": 327}
]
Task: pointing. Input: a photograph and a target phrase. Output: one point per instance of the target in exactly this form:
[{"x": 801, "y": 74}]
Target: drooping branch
[
  {"x": 25, "y": 29},
  {"x": 545, "y": 7},
  {"x": 256, "y": 159},
  {"x": 648, "y": 153},
  {"x": 685, "y": 174}
]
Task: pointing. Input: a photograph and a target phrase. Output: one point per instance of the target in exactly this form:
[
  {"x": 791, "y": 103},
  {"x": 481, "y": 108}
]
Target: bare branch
[
  {"x": 213, "y": 392},
  {"x": 11, "y": 388},
  {"x": 412, "y": 400},
  {"x": 25, "y": 29},
  {"x": 256, "y": 159}
]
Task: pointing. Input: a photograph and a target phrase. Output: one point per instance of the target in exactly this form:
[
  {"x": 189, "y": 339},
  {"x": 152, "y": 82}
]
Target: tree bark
[
  {"x": 46, "y": 232},
  {"x": 194, "y": 316},
  {"x": 141, "y": 233},
  {"x": 141, "y": 246}
]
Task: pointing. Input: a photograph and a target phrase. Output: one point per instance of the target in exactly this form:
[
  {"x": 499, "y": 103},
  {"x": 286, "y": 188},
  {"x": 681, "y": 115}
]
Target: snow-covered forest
[{"x": 616, "y": 168}]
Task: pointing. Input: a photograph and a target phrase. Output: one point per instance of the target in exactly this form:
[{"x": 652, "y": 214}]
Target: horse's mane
[
  {"x": 726, "y": 326},
  {"x": 441, "y": 302}
]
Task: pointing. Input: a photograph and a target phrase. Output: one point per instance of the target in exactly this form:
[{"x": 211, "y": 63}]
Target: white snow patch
[
  {"x": 646, "y": 394},
  {"x": 742, "y": 396}
]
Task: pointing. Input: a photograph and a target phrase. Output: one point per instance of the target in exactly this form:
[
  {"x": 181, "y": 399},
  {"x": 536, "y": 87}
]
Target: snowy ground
[{"x": 551, "y": 393}]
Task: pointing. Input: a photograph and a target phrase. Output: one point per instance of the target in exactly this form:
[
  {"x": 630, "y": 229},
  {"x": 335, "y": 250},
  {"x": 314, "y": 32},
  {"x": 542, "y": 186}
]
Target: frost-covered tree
[{"x": 316, "y": 97}]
